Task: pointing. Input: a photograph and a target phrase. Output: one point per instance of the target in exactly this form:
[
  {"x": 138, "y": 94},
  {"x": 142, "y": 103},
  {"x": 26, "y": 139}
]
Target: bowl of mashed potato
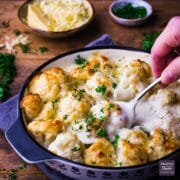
[
  {"x": 56, "y": 19},
  {"x": 68, "y": 118}
]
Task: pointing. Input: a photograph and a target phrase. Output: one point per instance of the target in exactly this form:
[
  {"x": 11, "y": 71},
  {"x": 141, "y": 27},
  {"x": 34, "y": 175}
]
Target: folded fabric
[{"x": 8, "y": 112}]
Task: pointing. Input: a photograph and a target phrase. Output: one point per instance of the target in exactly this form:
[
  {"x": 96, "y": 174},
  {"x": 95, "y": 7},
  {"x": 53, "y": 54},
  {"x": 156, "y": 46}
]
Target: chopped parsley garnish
[
  {"x": 81, "y": 61},
  {"x": 127, "y": 11},
  {"x": 111, "y": 106},
  {"x": 95, "y": 68},
  {"x": 79, "y": 94},
  {"x": 7, "y": 74},
  {"x": 13, "y": 172},
  {"x": 115, "y": 141},
  {"x": 65, "y": 116},
  {"x": 5, "y": 24},
  {"x": 16, "y": 32},
  {"x": 101, "y": 89},
  {"x": 101, "y": 118},
  {"x": 90, "y": 119},
  {"x": 102, "y": 110},
  {"x": 24, "y": 47},
  {"x": 148, "y": 40},
  {"x": 43, "y": 49},
  {"x": 74, "y": 149},
  {"x": 80, "y": 127},
  {"x": 101, "y": 133},
  {"x": 114, "y": 85}
]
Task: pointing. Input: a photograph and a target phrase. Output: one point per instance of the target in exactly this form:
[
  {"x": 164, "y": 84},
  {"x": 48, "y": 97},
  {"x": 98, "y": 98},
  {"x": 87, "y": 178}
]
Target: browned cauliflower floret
[
  {"x": 74, "y": 106},
  {"x": 48, "y": 111},
  {"x": 32, "y": 105},
  {"x": 48, "y": 84},
  {"x": 99, "y": 85},
  {"x": 129, "y": 154},
  {"x": 58, "y": 73},
  {"x": 96, "y": 63},
  {"x": 101, "y": 153},
  {"x": 134, "y": 77},
  {"x": 163, "y": 143},
  {"x": 45, "y": 131}
]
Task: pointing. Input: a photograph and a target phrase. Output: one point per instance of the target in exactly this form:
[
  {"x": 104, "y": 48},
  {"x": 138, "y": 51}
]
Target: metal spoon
[{"x": 128, "y": 108}]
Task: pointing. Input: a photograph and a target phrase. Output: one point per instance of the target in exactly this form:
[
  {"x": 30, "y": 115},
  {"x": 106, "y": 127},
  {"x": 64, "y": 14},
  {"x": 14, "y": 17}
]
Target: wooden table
[{"x": 26, "y": 63}]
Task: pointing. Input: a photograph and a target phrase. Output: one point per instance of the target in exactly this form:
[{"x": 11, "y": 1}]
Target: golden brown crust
[
  {"x": 46, "y": 131},
  {"x": 32, "y": 105},
  {"x": 101, "y": 153}
]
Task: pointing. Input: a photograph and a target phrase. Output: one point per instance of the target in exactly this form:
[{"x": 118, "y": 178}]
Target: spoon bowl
[{"x": 128, "y": 108}]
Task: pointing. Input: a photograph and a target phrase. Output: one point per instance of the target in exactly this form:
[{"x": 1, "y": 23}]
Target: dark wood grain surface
[{"x": 26, "y": 63}]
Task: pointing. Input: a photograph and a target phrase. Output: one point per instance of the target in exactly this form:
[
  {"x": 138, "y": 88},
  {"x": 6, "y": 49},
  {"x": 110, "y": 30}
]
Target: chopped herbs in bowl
[{"x": 130, "y": 12}]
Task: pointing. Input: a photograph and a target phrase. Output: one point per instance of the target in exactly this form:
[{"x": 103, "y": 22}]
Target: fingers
[
  {"x": 166, "y": 42},
  {"x": 172, "y": 72}
]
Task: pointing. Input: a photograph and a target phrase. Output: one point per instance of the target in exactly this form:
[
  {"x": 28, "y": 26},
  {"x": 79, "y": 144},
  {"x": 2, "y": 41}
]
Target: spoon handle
[{"x": 141, "y": 94}]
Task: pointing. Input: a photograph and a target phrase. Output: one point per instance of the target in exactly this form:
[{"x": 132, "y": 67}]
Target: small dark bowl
[{"x": 22, "y": 15}]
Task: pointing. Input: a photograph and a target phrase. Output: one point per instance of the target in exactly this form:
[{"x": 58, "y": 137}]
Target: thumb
[{"x": 172, "y": 72}]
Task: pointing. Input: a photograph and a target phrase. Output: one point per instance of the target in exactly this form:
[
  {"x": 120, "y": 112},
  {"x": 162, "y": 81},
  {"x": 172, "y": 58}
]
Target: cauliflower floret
[
  {"x": 96, "y": 63},
  {"x": 129, "y": 154},
  {"x": 74, "y": 106},
  {"x": 58, "y": 73},
  {"x": 134, "y": 77},
  {"x": 101, "y": 153},
  {"x": 101, "y": 109},
  {"x": 45, "y": 131},
  {"x": 163, "y": 143},
  {"x": 99, "y": 85},
  {"x": 48, "y": 112},
  {"x": 32, "y": 105},
  {"x": 165, "y": 97},
  {"x": 48, "y": 84},
  {"x": 68, "y": 146}
]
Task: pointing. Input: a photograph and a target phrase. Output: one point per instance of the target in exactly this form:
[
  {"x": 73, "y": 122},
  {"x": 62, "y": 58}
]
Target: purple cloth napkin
[{"x": 8, "y": 112}]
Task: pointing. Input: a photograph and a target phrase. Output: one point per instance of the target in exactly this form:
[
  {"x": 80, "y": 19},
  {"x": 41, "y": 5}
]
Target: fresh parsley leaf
[
  {"x": 101, "y": 133},
  {"x": 5, "y": 24},
  {"x": 24, "y": 47},
  {"x": 95, "y": 68},
  {"x": 111, "y": 106},
  {"x": 101, "y": 89},
  {"x": 148, "y": 40},
  {"x": 114, "y": 85},
  {"x": 80, "y": 61},
  {"x": 115, "y": 141},
  {"x": 65, "y": 116},
  {"x": 74, "y": 149},
  {"x": 90, "y": 119},
  {"x": 7, "y": 74},
  {"x": 43, "y": 49},
  {"x": 16, "y": 32}
]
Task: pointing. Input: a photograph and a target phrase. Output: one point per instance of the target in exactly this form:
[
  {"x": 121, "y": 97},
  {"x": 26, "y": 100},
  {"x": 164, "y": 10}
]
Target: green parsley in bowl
[{"x": 130, "y": 12}]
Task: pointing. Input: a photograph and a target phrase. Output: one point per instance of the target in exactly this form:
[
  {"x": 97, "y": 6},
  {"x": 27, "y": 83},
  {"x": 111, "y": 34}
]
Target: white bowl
[{"x": 135, "y": 3}]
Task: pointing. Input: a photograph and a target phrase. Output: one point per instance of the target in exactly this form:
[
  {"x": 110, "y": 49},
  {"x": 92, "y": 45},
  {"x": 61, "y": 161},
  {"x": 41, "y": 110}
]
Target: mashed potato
[{"x": 58, "y": 15}]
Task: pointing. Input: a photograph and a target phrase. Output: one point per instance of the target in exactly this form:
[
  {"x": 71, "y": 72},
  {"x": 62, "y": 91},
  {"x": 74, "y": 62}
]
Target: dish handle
[{"x": 25, "y": 147}]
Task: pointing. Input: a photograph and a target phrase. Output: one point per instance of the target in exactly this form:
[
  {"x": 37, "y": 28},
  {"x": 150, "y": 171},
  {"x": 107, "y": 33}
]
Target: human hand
[{"x": 165, "y": 60}]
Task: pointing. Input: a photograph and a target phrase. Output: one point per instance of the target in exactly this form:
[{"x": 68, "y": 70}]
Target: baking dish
[{"x": 29, "y": 150}]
